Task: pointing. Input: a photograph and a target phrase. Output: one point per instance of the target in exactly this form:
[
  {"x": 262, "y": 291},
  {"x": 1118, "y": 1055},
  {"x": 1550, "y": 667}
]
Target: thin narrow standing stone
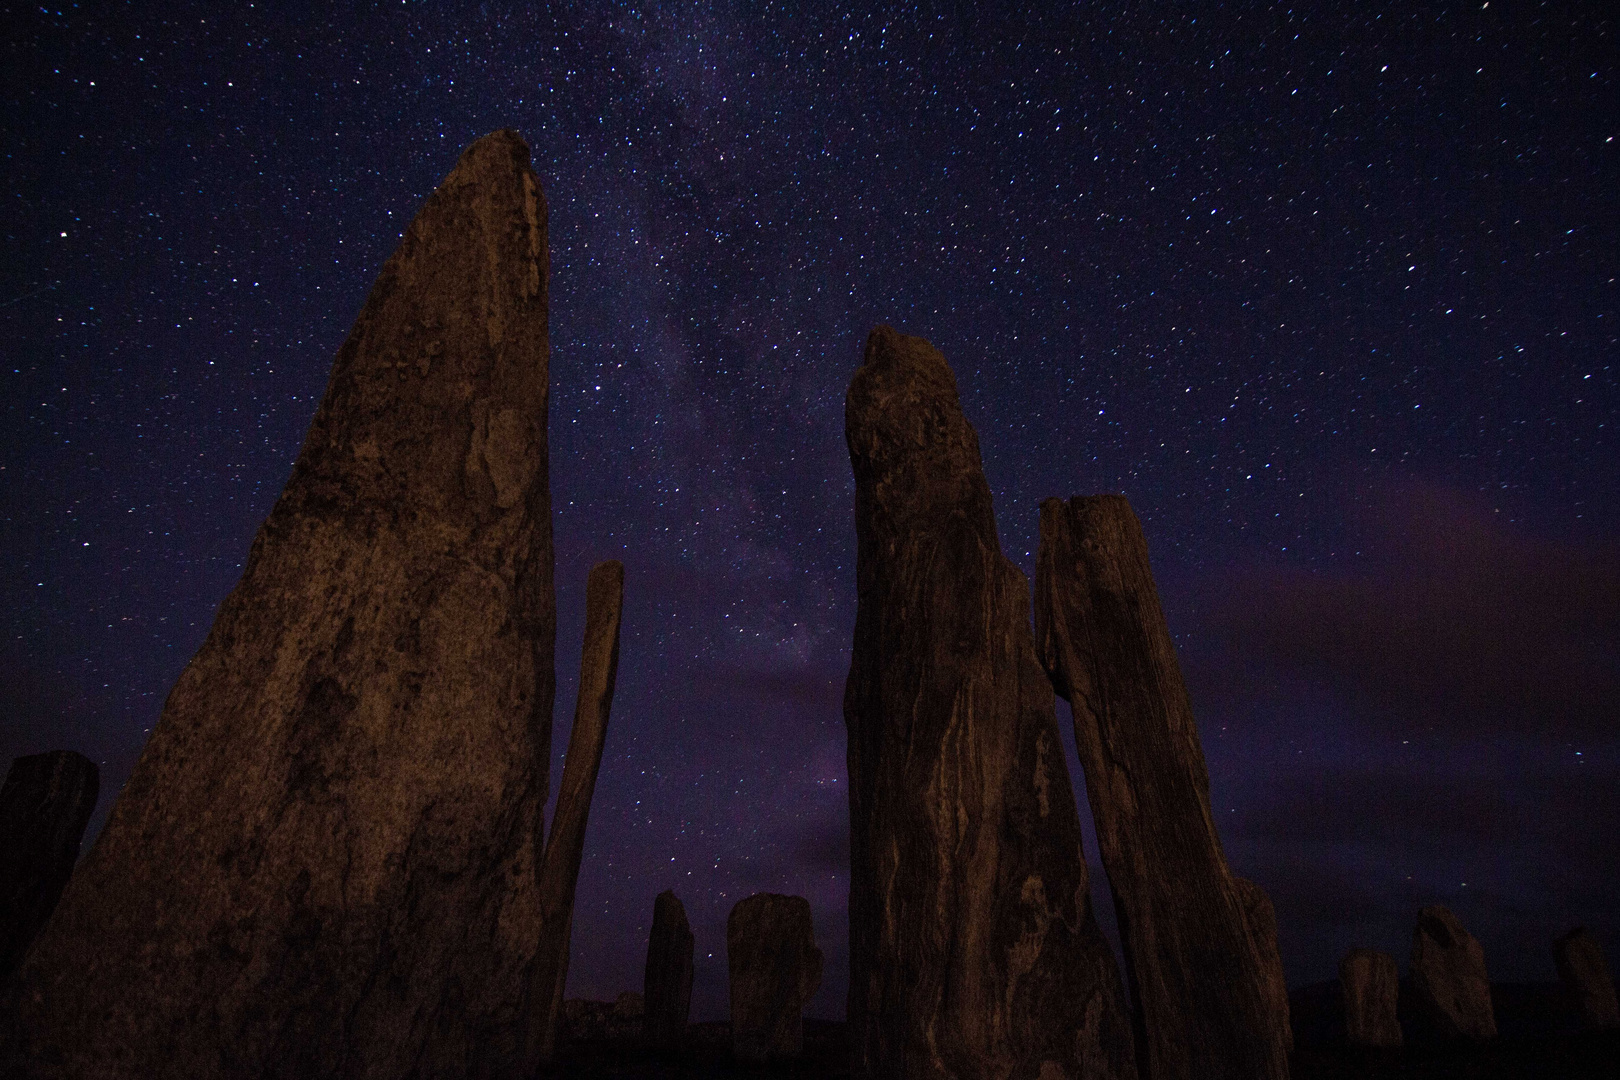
[
  {"x": 974, "y": 952},
  {"x": 1449, "y": 982},
  {"x": 45, "y": 804},
  {"x": 559, "y": 871},
  {"x": 1586, "y": 979},
  {"x": 1203, "y": 975},
  {"x": 775, "y": 970},
  {"x": 323, "y": 864},
  {"x": 1371, "y": 984},
  {"x": 668, "y": 979}
]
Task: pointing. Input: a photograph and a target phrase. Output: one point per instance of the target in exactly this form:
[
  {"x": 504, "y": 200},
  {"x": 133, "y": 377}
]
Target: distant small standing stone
[
  {"x": 775, "y": 971},
  {"x": 1585, "y": 975},
  {"x": 44, "y": 806},
  {"x": 1370, "y": 982},
  {"x": 669, "y": 974},
  {"x": 1448, "y": 977}
]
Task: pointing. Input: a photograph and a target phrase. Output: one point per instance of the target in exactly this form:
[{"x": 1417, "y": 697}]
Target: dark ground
[{"x": 1536, "y": 1040}]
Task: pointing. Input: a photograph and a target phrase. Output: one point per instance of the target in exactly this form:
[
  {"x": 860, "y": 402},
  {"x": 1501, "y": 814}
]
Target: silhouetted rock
[
  {"x": 974, "y": 951},
  {"x": 559, "y": 871},
  {"x": 1200, "y": 946},
  {"x": 669, "y": 974},
  {"x": 1370, "y": 984},
  {"x": 44, "y": 806},
  {"x": 1587, "y": 983},
  {"x": 1449, "y": 984},
  {"x": 324, "y": 862},
  {"x": 775, "y": 970},
  {"x": 619, "y": 1021}
]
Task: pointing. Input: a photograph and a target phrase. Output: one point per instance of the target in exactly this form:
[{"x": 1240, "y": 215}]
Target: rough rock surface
[
  {"x": 44, "y": 806},
  {"x": 1370, "y": 982},
  {"x": 324, "y": 863},
  {"x": 974, "y": 951},
  {"x": 1203, "y": 980},
  {"x": 668, "y": 981},
  {"x": 1261, "y": 918},
  {"x": 559, "y": 870},
  {"x": 1449, "y": 984},
  {"x": 1587, "y": 982},
  {"x": 775, "y": 970}
]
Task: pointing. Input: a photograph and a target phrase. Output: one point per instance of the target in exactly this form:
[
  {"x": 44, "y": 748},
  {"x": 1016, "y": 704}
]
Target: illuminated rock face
[
  {"x": 324, "y": 863},
  {"x": 1449, "y": 983},
  {"x": 1588, "y": 987},
  {"x": 1200, "y": 943},
  {"x": 1370, "y": 984},
  {"x": 974, "y": 951},
  {"x": 44, "y": 806},
  {"x": 775, "y": 970}
]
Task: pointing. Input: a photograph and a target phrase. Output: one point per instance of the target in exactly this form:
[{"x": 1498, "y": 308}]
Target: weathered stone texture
[
  {"x": 974, "y": 951},
  {"x": 1369, "y": 982},
  {"x": 324, "y": 863},
  {"x": 44, "y": 806},
  {"x": 559, "y": 870},
  {"x": 1587, "y": 982},
  {"x": 668, "y": 978},
  {"x": 775, "y": 970},
  {"x": 1449, "y": 983},
  {"x": 1204, "y": 980}
]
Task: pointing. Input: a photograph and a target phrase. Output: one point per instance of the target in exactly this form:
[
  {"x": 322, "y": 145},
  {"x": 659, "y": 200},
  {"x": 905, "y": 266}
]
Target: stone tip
[{"x": 885, "y": 345}]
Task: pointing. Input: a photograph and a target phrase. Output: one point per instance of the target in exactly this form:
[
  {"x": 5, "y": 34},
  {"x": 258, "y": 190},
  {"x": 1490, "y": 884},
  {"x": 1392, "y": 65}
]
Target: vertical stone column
[
  {"x": 974, "y": 952},
  {"x": 559, "y": 870},
  {"x": 323, "y": 862},
  {"x": 668, "y": 981},
  {"x": 44, "y": 806},
  {"x": 775, "y": 970},
  {"x": 1370, "y": 984},
  {"x": 1449, "y": 982},
  {"x": 1587, "y": 983},
  {"x": 1204, "y": 977}
]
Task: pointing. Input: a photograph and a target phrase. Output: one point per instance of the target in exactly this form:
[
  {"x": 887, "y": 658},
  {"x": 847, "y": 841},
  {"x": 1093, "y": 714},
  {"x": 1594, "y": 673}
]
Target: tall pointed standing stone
[
  {"x": 1204, "y": 977},
  {"x": 974, "y": 951},
  {"x": 323, "y": 864},
  {"x": 1587, "y": 984},
  {"x": 667, "y": 983},
  {"x": 559, "y": 871},
  {"x": 1449, "y": 983},
  {"x": 44, "y": 806}
]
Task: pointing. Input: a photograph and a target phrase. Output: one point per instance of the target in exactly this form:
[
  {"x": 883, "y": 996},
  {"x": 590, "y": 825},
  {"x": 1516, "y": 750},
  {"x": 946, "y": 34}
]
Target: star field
[{"x": 1328, "y": 291}]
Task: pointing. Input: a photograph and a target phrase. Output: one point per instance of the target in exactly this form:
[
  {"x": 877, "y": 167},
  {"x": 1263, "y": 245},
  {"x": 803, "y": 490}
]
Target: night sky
[{"x": 1328, "y": 292}]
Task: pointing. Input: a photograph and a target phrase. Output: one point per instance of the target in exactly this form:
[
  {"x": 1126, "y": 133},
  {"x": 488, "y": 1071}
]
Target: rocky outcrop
[
  {"x": 775, "y": 970},
  {"x": 44, "y": 806},
  {"x": 1204, "y": 981},
  {"x": 1449, "y": 984},
  {"x": 1587, "y": 984},
  {"x": 974, "y": 951},
  {"x": 1370, "y": 984},
  {"x": 559, "y": 872},
  {"x": 668, "y": 981},
  {"x": 324, "y": 862}
]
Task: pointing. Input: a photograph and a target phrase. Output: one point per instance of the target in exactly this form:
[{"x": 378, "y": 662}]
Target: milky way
[{"x": 1331, "y": 297}]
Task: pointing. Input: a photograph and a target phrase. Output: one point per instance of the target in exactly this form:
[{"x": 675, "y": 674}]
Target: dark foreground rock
[
  {"x": 617, "y": 1021},
  {"x": 1370, "y": 984},
  {"x": 324, "y": 862},
  {"x": 1449, "y": 985},
  {"x": 974, "y": 951},
  {"x": 668, "y": 977},
  {"x": 1588, "y": 986},
  {"x": 775, "y": 970},
  {"x": 559, "y": 871},
  {"x": 1208, "y": 992},
  {"x": 44, "y": 806}
]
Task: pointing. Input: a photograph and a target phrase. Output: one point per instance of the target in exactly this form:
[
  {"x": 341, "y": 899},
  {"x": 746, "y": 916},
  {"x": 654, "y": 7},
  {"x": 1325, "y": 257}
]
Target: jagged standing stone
[
  {"x": 559, "y": 871},
  {"x": 1449, "y": 983},
  {"x": 668, "y": 981},
  {"x": 1587, "y": 983},
  {"x": 974, "y": 951},
  {"x": 1370, "y": 984},
  {"x": 775, "y": 970},
  {"x": 1204, "y": 974},
  {"x": 44, "y": 806},
  {"x": 323, "y": 864}
]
